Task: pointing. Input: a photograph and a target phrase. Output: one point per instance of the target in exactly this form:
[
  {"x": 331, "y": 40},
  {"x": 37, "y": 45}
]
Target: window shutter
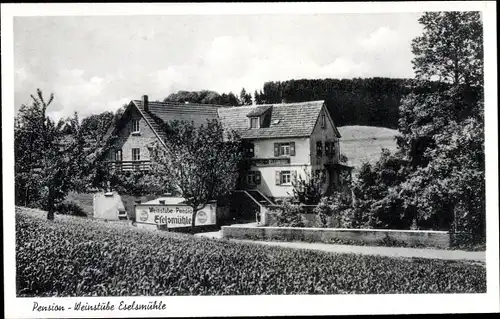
[
  {"x": 251, "y": 150},
  {"x": 292, "y": 148},
  {"x": 294, "y": 177},
  {"x": 276, "y": 150},
  {"x": 278, "y": 177},
  {"x": 257, "y": 177}
]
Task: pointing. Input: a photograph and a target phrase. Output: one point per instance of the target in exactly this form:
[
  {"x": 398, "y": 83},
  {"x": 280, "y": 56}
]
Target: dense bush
[
  {"x": 309, "y": 190},
  {"x": 323, "y": 213},
  {"x": 288, "y": 214},
  {"x": 85, "y": 257},
  {"x": 70, "y": 208}
]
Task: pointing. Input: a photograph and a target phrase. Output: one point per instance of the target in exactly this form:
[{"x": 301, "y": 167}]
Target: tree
[
  {"x": 47, "y": 160},
  {"x": 229, "y": 99},
  {"x": 245, "y": 98},
  {"x": 450, "y": 49},
  {"x": 203, "y": 97},
  {"x": 201, "y": 162},
  {"x": 259, "y": 97},
  {"x": 440, "y": 182},
  {"x": 96, "y": 126},
  {"x": 54, "y": 158},
  {"x": 310, "y": 189},
  {"x": 370, "y": 101}
]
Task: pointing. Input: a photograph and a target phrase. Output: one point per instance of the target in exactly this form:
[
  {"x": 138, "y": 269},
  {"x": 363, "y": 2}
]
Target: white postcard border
[{"x": 257, "y": 305}]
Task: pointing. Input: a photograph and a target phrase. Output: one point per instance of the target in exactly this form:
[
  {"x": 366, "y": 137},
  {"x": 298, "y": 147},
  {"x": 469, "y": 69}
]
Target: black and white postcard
[{"x": 249, "y": 159}]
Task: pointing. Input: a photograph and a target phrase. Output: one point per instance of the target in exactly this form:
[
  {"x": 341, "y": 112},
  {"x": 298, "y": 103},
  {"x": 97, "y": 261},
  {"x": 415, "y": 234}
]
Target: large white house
[{"x": 284, "y": 141}]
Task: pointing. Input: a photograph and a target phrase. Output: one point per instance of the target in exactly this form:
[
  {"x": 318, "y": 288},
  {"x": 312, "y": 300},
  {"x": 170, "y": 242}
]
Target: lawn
[
  {"x": 74, "y": 256},
  {"x": 364, "y": 143},
  {"x": 84, "y": 200}
]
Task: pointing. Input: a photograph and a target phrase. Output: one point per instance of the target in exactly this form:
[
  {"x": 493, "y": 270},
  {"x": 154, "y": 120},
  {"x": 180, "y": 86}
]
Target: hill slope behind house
[{"x": 364, "y": 143}]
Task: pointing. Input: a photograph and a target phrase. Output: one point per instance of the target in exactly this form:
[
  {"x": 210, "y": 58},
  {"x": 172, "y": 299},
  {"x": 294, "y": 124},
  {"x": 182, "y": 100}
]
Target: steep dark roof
[
  {"x": 168, "y": 111},
  {"x": 287, "y": 120}
]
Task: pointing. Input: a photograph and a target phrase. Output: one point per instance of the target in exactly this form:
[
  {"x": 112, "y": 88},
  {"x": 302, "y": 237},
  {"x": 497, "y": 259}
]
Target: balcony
[{"x": 125, "y": 166}]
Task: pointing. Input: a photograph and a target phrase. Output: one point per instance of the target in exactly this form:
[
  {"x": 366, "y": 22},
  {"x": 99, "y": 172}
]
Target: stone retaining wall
[{"x": 410, "y": 238}]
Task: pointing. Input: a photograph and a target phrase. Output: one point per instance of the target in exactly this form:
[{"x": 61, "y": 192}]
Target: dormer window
[
  {"x": 254, "y": 122},
  {"x": 260, "y": 116}
]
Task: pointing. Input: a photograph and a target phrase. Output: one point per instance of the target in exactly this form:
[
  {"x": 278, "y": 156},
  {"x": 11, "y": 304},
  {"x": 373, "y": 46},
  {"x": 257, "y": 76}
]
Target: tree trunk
[{"x": 50, "y": 207}]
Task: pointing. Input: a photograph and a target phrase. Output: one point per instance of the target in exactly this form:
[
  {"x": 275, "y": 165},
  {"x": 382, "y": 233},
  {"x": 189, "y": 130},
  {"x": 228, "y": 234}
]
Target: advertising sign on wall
[{"x": 174, "y": 216}]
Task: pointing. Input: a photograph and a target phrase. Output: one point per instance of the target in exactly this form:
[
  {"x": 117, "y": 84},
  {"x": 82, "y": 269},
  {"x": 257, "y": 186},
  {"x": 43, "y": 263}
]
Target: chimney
[{"x": 145, "y": 103}]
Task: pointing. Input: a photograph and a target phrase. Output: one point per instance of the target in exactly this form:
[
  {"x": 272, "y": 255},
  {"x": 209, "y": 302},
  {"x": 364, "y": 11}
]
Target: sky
[{"x": 98, "y": 63}]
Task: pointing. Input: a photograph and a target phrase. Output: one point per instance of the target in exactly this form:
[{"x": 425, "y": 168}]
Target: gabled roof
[{"x": 287, "y": 120}]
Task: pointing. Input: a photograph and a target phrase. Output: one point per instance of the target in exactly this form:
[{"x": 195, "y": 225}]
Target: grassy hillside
[
  {"x": 73, "y": 256},
  {"x": 84, "y": 200},
  {"x": 364, "y": 143}
]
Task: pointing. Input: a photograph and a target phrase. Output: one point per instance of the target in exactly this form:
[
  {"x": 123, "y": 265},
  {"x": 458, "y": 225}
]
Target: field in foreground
[
  {"x": 364, "y": 143},
  {"x": 74, "y": 256}
]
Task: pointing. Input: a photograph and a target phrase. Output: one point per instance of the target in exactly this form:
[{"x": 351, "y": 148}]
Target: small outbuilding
[{"x": 109, "y": 206}]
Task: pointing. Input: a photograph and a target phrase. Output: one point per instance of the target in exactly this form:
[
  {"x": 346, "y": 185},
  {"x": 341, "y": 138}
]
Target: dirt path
[{"x": 473, "y": 256}]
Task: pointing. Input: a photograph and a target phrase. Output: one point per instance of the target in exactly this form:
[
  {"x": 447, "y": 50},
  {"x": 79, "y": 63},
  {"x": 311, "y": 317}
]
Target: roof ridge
[
  {"x": 183, "y": 103},
  {"x": 275, "y": 104}
]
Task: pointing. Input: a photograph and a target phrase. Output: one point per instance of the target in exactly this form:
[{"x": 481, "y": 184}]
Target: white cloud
[
  {"x": 343, "y": 67},
  {"x": 235, "y": 62},
  {"x": 21, "y": 75},
  {"x": 74, "y": 91},
  {"x": 381, "y": 37}
]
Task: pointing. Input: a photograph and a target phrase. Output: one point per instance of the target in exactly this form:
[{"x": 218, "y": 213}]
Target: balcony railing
[{"x": 143, "y": 165}]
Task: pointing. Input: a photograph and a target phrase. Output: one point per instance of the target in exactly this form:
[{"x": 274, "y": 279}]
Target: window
[
  {"x": 253, "y": 178},
  {"x": 286, "y": 177},
  {"x": 135, "y": 126},
  {"x": 118, "y": 156},
  {"x": 284, "y": 149},
  {"x": 319, "y": 148},
  {"x": 254, "y": 122},
  {"x": 332, "y": 149},
  {"x": 136, "y": 154},
  {"x": 249, "y": 150},
  {"x": 249, "y": 178},
  {"x": 323, "y": 120}
]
